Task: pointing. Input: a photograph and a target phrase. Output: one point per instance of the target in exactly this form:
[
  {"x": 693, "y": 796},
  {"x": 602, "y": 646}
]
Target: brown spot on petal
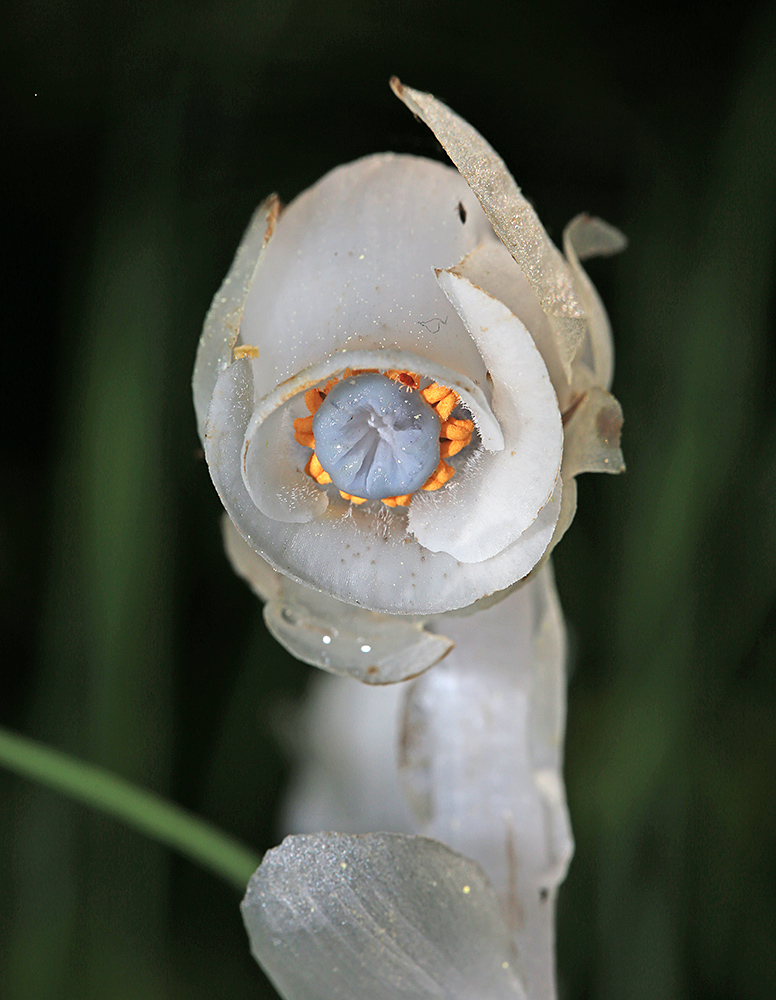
[{"x": 608, "y": 425}]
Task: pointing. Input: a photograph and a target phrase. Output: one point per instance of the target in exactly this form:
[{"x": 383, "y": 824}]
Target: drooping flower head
[{"x": 396, "y": 386}]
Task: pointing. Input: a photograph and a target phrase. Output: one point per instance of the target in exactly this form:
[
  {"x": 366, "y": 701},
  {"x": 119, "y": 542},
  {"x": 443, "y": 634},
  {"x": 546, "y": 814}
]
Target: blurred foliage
[{"x": 138, "y": 138}]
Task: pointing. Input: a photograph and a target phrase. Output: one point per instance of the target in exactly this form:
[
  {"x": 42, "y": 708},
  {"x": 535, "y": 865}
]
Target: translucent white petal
[
  {"x": 482, "y": 751},
  {"x": 351, "y": 264},
  {"x": 378, "y": 917},
  {"x": 494, "y": 500},
  {"x": 593, "y": 435},
  {"x": 363, "y": 555},
  {"x": 273, "y": 469},
  {"x": 222, "y": 324},
  {"x": 568, "y": 508},
  {"x": 264, "y": 581},
  {"x": 374, "y": 648},
  {"x": 586, "y": 236},
  {"x": 491, "y": 267},
  {"x": 512, "y": 217},
  {"x": 345, "y": 742}
]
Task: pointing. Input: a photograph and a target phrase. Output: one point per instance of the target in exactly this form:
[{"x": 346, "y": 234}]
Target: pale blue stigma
[{"x": 376, "y": 438}]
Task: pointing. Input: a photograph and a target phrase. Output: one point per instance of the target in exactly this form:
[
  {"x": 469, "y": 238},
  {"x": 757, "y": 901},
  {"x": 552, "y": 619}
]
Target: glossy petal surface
[
  {"x": 350, "y": 266},
  {"x": 491, "y": 268},
  {"x": 380, "y": 916},
  {"x": 222, "y": 326},
  {"x": 497, "y": 497},
  {"x": 341, "y": 638}
]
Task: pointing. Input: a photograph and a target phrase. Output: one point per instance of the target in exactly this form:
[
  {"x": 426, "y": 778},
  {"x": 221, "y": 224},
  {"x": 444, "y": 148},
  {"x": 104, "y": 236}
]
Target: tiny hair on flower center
[{"x": 379, "y": 436}]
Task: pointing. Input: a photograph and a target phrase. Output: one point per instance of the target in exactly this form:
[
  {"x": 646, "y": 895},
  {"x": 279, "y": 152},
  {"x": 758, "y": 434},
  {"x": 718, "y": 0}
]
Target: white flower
[
  {"x": 396, "y": 387},
  {"x": 397, "y": 264}
]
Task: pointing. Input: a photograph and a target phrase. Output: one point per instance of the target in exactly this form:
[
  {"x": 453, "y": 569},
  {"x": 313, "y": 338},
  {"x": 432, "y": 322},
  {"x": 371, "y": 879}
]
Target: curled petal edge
[
  {"x": 513, "y": 218},
  {"x": 491, "y": 267},
  {"x": 494, "y": 501},
  {"x": 324, "y": 632},
  {"x": 587, "y": 236},
  {"x": 222, "y": 323}
]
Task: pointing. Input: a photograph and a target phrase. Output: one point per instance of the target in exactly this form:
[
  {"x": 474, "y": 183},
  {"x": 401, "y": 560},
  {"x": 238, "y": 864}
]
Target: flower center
[
  {"x": 375, "y": 434},
  {"x": 376, "y": 437}
]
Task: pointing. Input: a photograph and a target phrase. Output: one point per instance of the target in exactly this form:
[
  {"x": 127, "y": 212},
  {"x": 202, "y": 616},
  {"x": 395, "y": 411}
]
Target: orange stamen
[
  {"x": 434, "y": 392},
  {"x": 449, "y": 448},
  {"x": 443, "y": 399},
  {"x": 304, "y": 424},
  {"x": 446, "y": 406},
  {"x": 439, "y": 476},
  {"x": 303, "y": 431},
  {"x": 313, "y": 399},
  {"x": 402, "y": 501},
  {"x": 457, "y": 430},
  {"x": 454, "y": 435},
  {"x": 316, "y": 471}
]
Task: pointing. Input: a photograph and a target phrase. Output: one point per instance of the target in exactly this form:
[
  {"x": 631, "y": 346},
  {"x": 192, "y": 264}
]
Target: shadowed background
[{"x": 138, "y": 138}]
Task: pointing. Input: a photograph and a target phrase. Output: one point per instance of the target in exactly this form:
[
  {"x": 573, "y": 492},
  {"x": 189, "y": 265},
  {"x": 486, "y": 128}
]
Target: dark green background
[{"x": 138, "y": 137}]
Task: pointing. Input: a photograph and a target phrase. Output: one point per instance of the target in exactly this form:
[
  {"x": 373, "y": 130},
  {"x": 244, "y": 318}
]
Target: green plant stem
[{"x": 145, "y": 811}]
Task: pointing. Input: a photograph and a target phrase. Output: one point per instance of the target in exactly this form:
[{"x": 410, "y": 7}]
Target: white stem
[{"x": 482, "y": 754}]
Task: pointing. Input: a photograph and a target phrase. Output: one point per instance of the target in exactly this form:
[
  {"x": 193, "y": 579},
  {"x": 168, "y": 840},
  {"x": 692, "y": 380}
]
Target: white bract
[{"x": 398, "y": 263}]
